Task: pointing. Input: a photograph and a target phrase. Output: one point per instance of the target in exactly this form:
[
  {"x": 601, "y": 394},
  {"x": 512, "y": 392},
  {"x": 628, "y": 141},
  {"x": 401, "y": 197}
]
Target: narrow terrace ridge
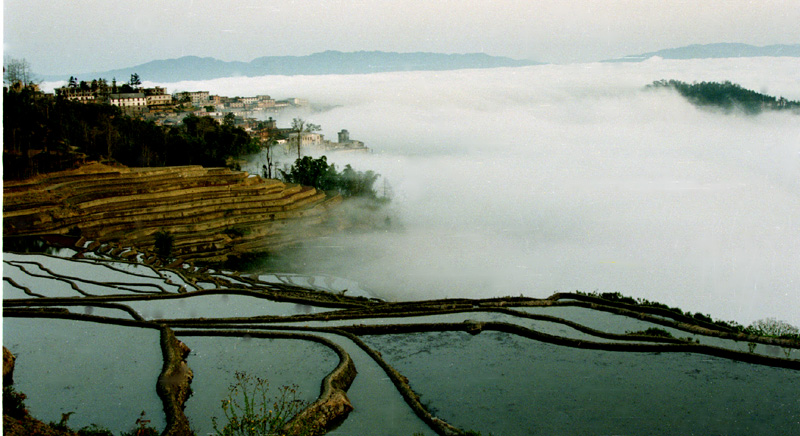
[{"x": 212, "y": 213}]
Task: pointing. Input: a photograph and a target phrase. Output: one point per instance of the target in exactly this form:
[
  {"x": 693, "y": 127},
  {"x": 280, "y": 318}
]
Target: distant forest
[
  {"x": 43, "y": 134},
  {"x": 728, "y": 96}
]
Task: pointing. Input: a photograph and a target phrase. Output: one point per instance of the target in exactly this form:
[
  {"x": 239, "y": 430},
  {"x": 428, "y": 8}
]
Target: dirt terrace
[{"x": 212, "y": 213}]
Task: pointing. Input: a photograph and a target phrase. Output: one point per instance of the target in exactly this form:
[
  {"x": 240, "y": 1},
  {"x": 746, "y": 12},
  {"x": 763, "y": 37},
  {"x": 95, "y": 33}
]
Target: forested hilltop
[
  {"x": 43, "y": 134},
  {"x": 728, "y": 96}
]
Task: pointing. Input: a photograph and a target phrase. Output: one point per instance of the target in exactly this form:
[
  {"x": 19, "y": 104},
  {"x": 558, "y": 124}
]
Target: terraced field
[
  {"x": 211, "y": 213},
  {"x": 97, "y": 335}
]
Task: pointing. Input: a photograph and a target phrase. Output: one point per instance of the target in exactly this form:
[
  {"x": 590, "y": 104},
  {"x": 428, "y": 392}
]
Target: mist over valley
[
  {"x": 397, "y": 218},
  {"x": 560, "y": 178}
]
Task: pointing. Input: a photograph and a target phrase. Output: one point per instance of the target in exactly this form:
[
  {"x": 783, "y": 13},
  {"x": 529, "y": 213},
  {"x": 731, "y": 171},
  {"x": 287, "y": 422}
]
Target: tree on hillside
[
  {"x": 312, "y": 172},
  {"x": 299, "y": 127},
  {"x": 43, "y": 134},
  {"x": 73, "y": 82},
  {"x": 323, "y": 176},
  {"x": 135, "y": 81},
  {"x": 229, "y": 119}
]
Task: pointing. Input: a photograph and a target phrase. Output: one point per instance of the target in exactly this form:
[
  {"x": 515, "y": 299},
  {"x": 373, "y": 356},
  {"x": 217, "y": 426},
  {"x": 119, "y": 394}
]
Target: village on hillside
[{"x": 252, "y": 114}]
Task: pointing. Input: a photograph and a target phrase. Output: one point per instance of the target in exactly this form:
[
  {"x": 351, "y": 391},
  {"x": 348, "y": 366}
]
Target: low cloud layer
[{"x": 561, "y": 178}]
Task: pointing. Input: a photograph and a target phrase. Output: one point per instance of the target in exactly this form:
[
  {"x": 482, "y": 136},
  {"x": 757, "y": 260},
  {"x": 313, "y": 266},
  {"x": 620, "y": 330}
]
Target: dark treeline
[
  {"x": 43, "y": 134},
  {"x": 321, "y": 175},
  {"x": 728, "y": 96}
]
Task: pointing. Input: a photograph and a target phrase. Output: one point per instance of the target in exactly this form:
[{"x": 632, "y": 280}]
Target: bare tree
[
  {"x": 300, "y": 126},
  {"x": 267, "y": 145},
  {"x": 772, "y": 327},
  {"x": 17, "y": 71}
]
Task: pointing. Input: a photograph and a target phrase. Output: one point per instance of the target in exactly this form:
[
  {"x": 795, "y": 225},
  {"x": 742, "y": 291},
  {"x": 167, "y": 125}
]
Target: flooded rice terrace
[
  {"x": 86, "y": 334},
  {"x": 511, "y": 188}
]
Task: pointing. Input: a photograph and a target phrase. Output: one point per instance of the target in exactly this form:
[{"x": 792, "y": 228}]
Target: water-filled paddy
[
  {"x": 378, "y": 408},
  {"x": 105, "y": 374},
  {"x": 493, "y": 382},
  {"x": 44, "y": 286},
  {"x": 505, "y": 385},
  {"x": 219, "y": 306},
  {"x": 551, "y": 328},
  {"x": 620, "y": 324},
  {"x": 86, "y": 269},
  {"x": 283, "y": 362}
]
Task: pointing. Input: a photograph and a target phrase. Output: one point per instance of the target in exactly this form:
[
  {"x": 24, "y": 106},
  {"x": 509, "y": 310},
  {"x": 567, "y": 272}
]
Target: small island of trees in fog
[{"x": 728, "y": 96}]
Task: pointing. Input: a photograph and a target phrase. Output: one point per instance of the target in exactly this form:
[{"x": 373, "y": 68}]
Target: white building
[
  {"x": 135, "y": 100},
  {"x": 306, "y": 138}
]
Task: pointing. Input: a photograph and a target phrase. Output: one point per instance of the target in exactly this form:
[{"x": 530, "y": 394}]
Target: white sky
[{"x": 59, "y": 36}]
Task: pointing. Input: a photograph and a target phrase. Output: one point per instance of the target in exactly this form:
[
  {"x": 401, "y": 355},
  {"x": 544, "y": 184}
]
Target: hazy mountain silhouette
[
  {"x": 720, "y": 50},
  {"x": 329, "y": 62}
]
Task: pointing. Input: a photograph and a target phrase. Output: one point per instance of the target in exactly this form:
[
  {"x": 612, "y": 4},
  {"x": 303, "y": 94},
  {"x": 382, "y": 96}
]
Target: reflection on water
[
  {"x": 505, "y": 385},
  {"x": 283, "y": 362},
  {"x": 219, "y": 306},
  {"x": 491, "y": 382},
  {"x": 105, "y": 374}
]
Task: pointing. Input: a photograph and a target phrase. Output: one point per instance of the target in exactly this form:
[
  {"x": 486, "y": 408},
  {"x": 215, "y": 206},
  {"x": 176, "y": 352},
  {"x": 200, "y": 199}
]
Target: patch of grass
[
  {"x": 250, "y": 411},
  {"x": 652, "y": 331},
  {"x": 236, "y": 232}
]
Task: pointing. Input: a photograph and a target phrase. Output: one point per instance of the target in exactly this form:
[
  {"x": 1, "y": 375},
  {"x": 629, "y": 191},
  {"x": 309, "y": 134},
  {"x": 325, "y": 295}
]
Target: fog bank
[{"x": 573, "y": 177}]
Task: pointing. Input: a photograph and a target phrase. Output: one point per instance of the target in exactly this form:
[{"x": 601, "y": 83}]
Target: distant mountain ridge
[
  {"x": 719, "y": 50},
  {"x": 328, "y": 62}
]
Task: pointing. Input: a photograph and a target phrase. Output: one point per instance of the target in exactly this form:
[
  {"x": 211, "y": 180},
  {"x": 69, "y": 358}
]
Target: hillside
[
  {"x": 719, "y": 50},
  {"x": 328, "y": 62},
  {"x": 212, "y": 213},
  {"x": 727, "y": 96}
]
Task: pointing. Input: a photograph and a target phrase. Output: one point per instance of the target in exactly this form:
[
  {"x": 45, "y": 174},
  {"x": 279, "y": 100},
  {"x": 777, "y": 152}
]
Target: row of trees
[
  {"x": 44, "y": 134},
  {"x": 101, "y": 86},
  {"x": 727, "y": 95}
]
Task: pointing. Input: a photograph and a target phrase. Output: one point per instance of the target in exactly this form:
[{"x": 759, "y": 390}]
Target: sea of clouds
[{"x": 566, "y": 177}]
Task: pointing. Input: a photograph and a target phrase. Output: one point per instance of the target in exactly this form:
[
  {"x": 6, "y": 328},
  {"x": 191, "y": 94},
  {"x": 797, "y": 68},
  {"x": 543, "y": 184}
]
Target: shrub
[
  {"x": 141, "y": 429},
  {"x": 704, "y": 318},
  {"x": 249, "y": 411},
  {"x": 617, "y": 297},
  {"x": 653, "y": 331},
  {"x": 14, "y": 403},
  {"x": 323, "y": 176},
  {"x": 94, "y": 430},
  {"x": 236, "y": 232},
  {"x": 163, "y": 243}
]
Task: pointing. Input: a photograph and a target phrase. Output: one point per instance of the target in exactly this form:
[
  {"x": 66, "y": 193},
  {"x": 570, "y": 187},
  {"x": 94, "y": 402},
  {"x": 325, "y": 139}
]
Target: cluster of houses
[
  {"x": 237, "y": 105},
  {"x": 156, "y": 100},
  {"x": 135, "y": 101},
  {"x": 268, "y": 131},
  {"x": 169, "y": 109}
]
